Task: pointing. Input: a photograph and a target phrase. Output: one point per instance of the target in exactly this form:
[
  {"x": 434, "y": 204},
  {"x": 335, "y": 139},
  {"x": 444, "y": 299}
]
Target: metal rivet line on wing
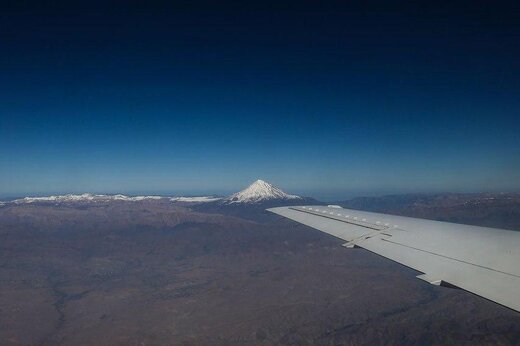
[{"x": 337, "y": 217}]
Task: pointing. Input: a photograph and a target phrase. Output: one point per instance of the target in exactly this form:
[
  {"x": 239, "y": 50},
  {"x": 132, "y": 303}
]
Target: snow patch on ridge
[
  {"x": 195, "y": 199},
  {"x": 87, "y": 197}
]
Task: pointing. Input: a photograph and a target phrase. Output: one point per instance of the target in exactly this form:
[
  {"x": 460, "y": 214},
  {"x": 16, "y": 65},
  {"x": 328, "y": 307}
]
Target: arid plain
[{"x": 157, "y": 272}]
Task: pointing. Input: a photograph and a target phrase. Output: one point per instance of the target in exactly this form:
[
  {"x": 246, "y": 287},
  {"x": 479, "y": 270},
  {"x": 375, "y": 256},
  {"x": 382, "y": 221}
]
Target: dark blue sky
[{"x": 320, "y": 98}]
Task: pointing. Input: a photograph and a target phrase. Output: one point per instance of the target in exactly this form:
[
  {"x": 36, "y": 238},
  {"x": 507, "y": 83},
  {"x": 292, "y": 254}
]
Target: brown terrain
[{"x": 160, "y": 273}]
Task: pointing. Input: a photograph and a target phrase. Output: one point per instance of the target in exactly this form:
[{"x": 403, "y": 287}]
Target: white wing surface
[{"x": 481, "y": 260}]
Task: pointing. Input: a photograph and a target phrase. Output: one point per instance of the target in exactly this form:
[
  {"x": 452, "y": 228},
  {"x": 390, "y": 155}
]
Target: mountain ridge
[{"x": 94, "y": 198}]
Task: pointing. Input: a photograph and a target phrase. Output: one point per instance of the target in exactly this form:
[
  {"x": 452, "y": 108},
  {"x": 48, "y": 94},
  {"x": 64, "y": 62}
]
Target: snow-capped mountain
[
  {"x": 252, "y": 202},
  {"x": 258, "y": 192}
]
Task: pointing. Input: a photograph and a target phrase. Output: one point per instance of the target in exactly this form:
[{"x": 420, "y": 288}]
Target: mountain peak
[{"x": 260, "y": 191}]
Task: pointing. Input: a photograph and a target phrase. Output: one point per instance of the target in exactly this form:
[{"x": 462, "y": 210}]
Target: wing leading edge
[{"x": 481, "y": 260}]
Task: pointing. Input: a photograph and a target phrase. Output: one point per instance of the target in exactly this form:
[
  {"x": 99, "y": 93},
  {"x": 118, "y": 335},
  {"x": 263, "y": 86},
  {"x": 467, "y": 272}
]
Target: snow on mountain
[
  {"x": 259, "y": 191},
  {"x": 87, "y": 197},
  {"x": 195, "y": 199}
]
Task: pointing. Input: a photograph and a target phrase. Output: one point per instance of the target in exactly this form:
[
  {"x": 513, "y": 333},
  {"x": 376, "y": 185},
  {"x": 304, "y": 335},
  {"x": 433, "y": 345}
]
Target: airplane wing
[{"x": 484, "y": 261}]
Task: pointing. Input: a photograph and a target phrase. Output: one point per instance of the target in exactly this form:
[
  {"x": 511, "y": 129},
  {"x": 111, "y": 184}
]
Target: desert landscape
[{"x": 157, "y": 272}]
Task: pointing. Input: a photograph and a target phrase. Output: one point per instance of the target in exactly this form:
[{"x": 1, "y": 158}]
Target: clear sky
[{"x": 319, "y": 98}]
